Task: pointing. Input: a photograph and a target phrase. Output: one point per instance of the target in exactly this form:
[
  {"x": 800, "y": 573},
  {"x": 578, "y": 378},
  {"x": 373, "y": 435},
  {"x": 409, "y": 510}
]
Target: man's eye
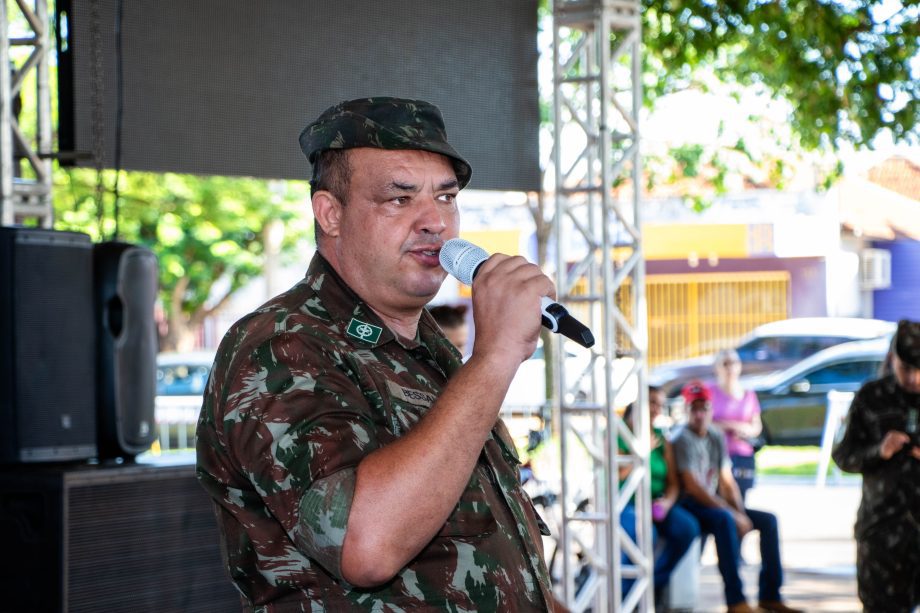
[{"x": 448, "y": 197}]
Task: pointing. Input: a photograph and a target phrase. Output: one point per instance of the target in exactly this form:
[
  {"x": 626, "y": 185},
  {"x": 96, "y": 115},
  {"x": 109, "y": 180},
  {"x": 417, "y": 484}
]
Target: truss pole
[
  {"x": 6, "y": 133},
  {"x": 25, "y": 195},
  {"x": 601, "y": 273}
]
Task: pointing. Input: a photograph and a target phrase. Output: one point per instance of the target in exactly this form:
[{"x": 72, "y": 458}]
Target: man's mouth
[
  {"x": 428, "y": 250},
  {"x": 428, "y": 254}
]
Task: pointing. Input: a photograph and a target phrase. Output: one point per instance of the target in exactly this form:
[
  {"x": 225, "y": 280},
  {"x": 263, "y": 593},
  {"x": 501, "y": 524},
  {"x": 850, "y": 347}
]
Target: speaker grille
[
  {"x": 54, "y": 357},
  {"x": 145, "y": 540}
]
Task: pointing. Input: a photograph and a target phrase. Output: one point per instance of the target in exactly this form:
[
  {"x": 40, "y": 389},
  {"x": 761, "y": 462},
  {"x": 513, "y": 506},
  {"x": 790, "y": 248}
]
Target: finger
[{"x": 521, "y": 270}]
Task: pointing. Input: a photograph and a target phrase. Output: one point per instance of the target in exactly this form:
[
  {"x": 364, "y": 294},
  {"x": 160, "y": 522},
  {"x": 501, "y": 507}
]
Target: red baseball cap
[{"x": 696, "y": 390}]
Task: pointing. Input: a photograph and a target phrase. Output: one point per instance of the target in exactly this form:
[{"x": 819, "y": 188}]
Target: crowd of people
[
  {"x": 696, "y": 493},
  {"x": 353, "y": 447},
  {"x": 713, "y": 456}
]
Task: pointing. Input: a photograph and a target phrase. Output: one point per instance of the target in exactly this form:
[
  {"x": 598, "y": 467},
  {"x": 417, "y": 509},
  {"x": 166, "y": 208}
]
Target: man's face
[
  {"x": 385, "y": 239},
  {"x": 729, "y": 367},
  {"x": 700, "y": 416},
  {"x": 656, "y": 402},
  {"x": 907, "y": 376}
]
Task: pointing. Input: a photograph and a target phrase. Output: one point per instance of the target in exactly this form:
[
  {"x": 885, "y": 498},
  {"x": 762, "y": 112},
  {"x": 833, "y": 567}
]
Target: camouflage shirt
[
  {"x": 303, "y": 389},
  {"x": 891, "y": 488}
]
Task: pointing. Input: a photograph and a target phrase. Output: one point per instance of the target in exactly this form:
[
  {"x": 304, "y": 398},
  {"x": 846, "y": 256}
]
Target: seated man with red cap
[{"x": 709, "y": 493}]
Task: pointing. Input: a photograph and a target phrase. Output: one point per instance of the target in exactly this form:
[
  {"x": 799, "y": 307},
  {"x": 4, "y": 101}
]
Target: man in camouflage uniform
[
  {"x": 354, "y": 461},
  {"x": 881, "y": 441}
]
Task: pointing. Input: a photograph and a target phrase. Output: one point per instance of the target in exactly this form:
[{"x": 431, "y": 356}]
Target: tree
[
  {"x": 846, "y": 70},
  {"x": 849, "y": 70},
  {"x": 210, "y": 234}
]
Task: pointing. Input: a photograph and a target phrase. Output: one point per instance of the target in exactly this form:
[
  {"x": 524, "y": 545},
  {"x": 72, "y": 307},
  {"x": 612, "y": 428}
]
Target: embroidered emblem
[
  {"x": 363, "y": 331},
  {"x": 412, "y": 396}
]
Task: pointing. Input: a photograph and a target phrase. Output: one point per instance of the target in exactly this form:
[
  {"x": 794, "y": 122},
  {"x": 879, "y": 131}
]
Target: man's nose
[{"x": 432, "y": 217}]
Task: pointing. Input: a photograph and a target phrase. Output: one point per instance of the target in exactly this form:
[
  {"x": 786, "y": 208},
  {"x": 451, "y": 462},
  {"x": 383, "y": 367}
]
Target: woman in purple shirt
[{"x": 736, "y": 411}]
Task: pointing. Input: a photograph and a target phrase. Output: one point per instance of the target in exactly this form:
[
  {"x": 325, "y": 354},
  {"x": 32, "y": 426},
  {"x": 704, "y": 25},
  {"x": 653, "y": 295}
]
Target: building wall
[
  {"x": 902, "y": 299},
  {"x": 808, "y": 277}
]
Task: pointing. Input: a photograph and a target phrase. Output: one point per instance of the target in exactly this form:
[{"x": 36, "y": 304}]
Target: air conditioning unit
[{"x": 875, "y": 269}]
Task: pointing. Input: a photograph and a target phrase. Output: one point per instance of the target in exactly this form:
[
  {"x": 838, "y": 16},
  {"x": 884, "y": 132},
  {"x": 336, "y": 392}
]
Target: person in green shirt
[{"x": 673, "y": 527}]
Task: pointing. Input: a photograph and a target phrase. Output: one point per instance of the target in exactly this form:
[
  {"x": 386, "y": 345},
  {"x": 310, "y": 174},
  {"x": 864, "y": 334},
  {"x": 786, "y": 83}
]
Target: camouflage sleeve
[
  {"x": 298, "y": 426},
  {"x": 855, "y": 452}
]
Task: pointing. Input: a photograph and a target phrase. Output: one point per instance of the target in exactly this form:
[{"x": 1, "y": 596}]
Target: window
[
  {"x": 845, "y": 373},
  {"x": 786, "y": 348},
  {"x": 182, "y": 379}
]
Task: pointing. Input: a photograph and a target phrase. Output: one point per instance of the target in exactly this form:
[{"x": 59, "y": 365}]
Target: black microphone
[{"x": 462, "y": 258}]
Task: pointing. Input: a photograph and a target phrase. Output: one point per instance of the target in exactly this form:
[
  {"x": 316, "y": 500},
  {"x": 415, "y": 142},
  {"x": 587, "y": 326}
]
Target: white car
[{"x": 773, "y": 347}]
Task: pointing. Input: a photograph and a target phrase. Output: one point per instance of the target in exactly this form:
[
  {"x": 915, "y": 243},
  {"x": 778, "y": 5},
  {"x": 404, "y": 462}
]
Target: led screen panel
[{"x": 225, "y": 86}]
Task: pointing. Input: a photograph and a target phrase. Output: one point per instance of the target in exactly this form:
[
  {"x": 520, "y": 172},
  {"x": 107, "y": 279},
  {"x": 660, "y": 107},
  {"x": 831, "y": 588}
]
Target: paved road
[{"x": 819, "y": 554}]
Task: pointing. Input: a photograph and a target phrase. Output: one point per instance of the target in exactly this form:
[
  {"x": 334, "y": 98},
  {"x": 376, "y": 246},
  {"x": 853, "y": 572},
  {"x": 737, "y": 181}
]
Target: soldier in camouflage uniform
[
  {"x": 882, "y": 442},
  {"x": 355, "y": 463}
]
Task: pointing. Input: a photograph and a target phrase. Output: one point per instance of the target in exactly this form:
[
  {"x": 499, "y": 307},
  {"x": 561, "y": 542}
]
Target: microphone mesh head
[{"x": 461, "y": 258}]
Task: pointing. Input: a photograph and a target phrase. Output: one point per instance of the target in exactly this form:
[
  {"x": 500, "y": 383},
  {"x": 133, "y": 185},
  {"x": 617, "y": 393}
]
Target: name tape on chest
[{"x": 412, "y": 396}]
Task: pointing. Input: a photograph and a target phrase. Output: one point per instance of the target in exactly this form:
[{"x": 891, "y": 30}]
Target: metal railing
[{"x": 176, "y": 419}]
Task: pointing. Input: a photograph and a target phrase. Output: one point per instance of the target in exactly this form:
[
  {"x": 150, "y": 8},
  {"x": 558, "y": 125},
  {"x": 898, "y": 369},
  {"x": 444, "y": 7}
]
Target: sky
[{"x": 694, "y": 116}]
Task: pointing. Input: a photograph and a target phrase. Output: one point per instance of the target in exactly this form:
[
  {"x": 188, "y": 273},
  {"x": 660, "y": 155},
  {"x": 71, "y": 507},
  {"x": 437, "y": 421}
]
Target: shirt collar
[{"x": 345, "y": 306}]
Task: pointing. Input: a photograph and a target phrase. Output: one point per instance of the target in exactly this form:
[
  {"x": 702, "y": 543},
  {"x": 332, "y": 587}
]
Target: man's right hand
[
  {"x": 406, "y": 490},
  {"x": 893, "y": 442},
  {"x": 506, "y": 307},
  {"x": 742, "y": 522}
]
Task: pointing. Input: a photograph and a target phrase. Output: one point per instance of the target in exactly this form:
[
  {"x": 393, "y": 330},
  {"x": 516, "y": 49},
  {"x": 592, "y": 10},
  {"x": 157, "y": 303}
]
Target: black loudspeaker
[
  {"x": 48, "y": 346},
  {"x": 109, "y": 538},
  {"x": 125, "y": 278}
]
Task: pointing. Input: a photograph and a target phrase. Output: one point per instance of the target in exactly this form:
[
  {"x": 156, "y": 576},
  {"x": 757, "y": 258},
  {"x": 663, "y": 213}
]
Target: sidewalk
[{"x": 819, "y": 553}]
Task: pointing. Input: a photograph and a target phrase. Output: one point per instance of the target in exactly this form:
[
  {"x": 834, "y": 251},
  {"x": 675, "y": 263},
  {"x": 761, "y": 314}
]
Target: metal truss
[
  {"x": 25, "y": 168},
  {"x": 601, "y": 275}
]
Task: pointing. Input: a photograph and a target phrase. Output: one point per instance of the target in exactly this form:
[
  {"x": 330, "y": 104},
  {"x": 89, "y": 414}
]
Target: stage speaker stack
[
  {"x": 109, "y": 538},
  {"x": 48, "y": 348},
  {"x": 125, "y": 278}
]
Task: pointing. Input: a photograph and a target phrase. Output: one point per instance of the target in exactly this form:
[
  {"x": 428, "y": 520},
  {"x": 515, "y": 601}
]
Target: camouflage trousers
[{"x": 888, "y": 568}]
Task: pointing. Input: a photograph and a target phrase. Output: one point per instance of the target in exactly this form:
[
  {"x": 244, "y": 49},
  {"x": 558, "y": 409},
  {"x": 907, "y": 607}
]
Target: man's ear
[{"x": 327, "y": 210}]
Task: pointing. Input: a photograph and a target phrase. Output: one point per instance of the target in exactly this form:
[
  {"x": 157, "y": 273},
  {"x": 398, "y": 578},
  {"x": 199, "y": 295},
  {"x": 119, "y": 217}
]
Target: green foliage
[
  {"x": 698, "y": 203},
  {"x": 689, "y": 157},
  {"x": 206, "y": 231},
  {"x": 849, "y": 69}
]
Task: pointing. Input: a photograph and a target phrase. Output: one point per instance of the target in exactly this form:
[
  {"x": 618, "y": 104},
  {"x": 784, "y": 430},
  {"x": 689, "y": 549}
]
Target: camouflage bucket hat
[
  {"x": 907, "y": 342},
  {"x": 383, "y": 123}
]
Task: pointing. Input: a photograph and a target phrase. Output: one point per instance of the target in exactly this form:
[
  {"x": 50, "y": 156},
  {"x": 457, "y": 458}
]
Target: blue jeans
[
  {"x": 678, "y": 529},
  {"x": 720, "y": 524}
]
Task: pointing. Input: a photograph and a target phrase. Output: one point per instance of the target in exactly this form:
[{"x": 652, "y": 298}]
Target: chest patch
[
  {"x": 411, "y": 396},
  {"x": 363, "y": 331}
]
